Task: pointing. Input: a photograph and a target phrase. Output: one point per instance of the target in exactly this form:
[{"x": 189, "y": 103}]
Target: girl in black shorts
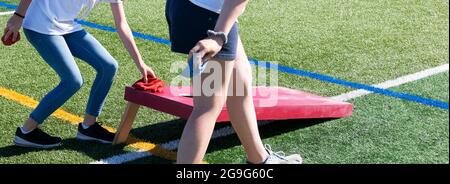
[{"x": 209, "y": 29}]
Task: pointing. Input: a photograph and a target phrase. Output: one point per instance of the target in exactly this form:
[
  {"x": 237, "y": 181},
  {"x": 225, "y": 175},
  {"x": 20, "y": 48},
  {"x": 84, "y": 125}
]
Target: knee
[
  {"x": 209, "y": 108},
  {"x": 73, "y": 83},
  {"x": 239, "y": 99},
  {"x": 113, "y": 66},
  {"x": 110, "y": 67}
]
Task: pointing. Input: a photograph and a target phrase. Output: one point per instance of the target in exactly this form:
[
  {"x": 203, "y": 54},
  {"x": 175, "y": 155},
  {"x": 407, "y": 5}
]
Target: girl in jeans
[
  {"x": 209, "y": 28},
  {"x": 50, "y": 27}
]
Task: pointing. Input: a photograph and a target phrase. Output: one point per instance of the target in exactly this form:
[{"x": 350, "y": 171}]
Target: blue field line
[
  {"x": 135, "y": 34},
  {"x": 9, "y": 6},
  {"x": 303, "y": 73},
  {"x": 405, "y": 96}
]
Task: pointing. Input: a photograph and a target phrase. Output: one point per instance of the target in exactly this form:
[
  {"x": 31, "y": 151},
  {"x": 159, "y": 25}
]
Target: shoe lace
[{"x": 279, "y": 154}]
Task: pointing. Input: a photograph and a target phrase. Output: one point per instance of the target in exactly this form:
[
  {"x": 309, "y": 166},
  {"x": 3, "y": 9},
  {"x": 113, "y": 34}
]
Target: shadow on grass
[
  {"x": 266, "y": 131},
  {"x": 92, "y": 149},
  {"x": 172, "y": 130},
  {"x": 164, "y": 132}
]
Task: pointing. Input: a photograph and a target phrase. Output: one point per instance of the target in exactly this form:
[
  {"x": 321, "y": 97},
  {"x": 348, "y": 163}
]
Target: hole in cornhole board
[{"x": 271, "y": 103}]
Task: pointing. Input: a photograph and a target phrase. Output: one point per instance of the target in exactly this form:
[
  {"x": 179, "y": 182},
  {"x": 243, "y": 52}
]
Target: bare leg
[
  {"x": 200, "y": 125},
  {"x": 241, "y": 109}
]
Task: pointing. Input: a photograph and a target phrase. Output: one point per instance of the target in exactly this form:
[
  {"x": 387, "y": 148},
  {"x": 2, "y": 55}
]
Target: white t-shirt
[
  {"x": 56, "y": 17},
  {"x": 211, "y": 5}
]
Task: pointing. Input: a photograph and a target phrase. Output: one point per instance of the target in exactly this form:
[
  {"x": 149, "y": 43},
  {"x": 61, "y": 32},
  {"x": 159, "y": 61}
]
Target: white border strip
[
  {"x": 6, "y": 13},
  {"x": 173, "y": 145},
  {"x": 392, "y": 83}
]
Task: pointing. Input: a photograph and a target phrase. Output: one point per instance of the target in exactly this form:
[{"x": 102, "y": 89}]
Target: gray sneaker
[{"x": 281, "y": 158}]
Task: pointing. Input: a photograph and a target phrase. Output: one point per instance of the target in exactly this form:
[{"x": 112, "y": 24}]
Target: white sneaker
[{"x": 281, "y": 158}]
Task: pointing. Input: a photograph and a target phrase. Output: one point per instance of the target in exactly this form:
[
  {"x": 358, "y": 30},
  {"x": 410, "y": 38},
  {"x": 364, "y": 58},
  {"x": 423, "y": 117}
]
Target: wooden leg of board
[{"x": 125, "y": 125}]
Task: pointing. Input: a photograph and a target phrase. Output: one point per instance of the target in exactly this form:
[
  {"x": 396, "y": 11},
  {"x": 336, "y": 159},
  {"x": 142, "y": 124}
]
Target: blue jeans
[{"x": 59, "y": 53}]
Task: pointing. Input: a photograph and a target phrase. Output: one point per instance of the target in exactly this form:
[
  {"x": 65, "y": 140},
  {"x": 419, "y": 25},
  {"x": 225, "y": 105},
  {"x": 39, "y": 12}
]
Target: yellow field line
[{"x": 155, "y": 149}]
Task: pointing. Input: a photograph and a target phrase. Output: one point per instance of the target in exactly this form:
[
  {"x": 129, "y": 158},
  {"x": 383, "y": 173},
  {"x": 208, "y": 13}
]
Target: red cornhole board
[{"x": 271, "y": 103}]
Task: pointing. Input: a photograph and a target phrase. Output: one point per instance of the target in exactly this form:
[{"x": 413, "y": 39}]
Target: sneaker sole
[
  {"x": 291, "y": 159},
  {"x": 83, "y": 137},
  {"x": 27, "y": 144},
  {"x": 295, "y": 159}
]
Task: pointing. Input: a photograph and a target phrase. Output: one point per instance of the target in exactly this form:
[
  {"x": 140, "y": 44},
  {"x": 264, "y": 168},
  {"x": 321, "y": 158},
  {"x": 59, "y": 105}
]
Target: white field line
[
  {"x": 392, "y": 83},
  {"x": 172, "y": 145},
  {"x": 6, "y": 13}
]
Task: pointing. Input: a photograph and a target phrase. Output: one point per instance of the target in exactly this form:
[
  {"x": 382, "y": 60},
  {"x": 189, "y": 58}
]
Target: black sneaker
[
  {"x": 95, "y": 133},
  {"x": 36, "y": 139}
]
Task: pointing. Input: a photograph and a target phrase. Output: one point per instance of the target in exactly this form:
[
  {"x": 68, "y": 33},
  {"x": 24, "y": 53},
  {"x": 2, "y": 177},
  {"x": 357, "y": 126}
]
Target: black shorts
[{"x": 189, "y": 23}]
